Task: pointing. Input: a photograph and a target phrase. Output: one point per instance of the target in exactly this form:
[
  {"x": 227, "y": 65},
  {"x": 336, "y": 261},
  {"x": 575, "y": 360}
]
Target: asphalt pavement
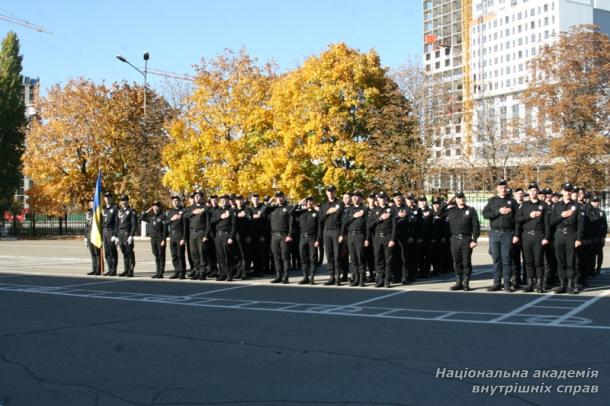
[{"x": 70, "y": 339}]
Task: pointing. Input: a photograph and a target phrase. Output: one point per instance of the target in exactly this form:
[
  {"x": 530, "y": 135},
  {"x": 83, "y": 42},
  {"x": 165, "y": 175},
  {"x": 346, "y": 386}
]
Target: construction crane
[{"x": 16, "y": 20}]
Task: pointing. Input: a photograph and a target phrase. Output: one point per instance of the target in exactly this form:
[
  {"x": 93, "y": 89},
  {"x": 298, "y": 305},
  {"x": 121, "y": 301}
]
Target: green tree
[{"x": 12, "y": 119}]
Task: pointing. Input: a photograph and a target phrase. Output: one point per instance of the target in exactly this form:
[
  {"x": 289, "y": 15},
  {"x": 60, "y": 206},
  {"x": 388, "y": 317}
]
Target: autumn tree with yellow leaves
[
  {"x": 84, "y": 127},
  {"x": 215, "y": 140},
  {"x": 337, "y": 119}
]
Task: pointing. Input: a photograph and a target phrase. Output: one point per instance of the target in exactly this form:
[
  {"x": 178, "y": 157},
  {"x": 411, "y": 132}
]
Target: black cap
[
  {"x": 372, "y": 195},
  {"x": 266, "y": 198},
  {"x": 309, "y": 198},
  {"x": 350, "y": 193},
  {"x": 214, "y": 197},
  {"x": 422, "y": 198},
  {"x": 549, "y": 191},
  {"x": 175, "y": 197},
  {"x": 567, "y": 187},
  {"x": 331, "y": 188},
  {"x": 436, "y": 200},
  {"x": 107, "y": 194},
  {"x": 502, "y": 182},
  {"x": 381, "y": 195},
  {"x": 580, "y": 189},
  {"x": 460, "y": 195},
  {"x": 518, "y": 190},
  {"x": 239, "y": 197},
  {"x": 410, "y": 196},
  {"x": 157, "y": 203},
  {"x": 556, "y": 194},
  {"x": 225, "y": 196},
  {"x": 587, "y": 195},
  {"x": 124, "y": 198},
  {"x": 357, "y": 193},
  {"x": 534, "y": 185},
  {"x": 198, "y": 192},
  {"x": 192, "y": 195},
  {"x": 254, "y": 195},
  {"x": 595, "y": 199},
  {"x": 397, "y": 193},
  {"x": 279, "y": 193}
]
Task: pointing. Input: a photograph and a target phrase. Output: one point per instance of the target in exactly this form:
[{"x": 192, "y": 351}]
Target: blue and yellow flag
[{"x": 96, "y": 224}]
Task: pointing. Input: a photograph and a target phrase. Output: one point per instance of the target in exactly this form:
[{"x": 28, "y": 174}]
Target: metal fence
[{"x": 33, "y": 224}]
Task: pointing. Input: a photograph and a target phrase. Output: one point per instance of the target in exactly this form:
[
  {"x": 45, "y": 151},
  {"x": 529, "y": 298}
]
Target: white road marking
[
  {"x": 579, "y": 309},
  {"x": 519, "y": 309},
  {"x": 284, "y": 307},
  {"x": 222, "y": 290},
  {"x": 93, "y": 283}
]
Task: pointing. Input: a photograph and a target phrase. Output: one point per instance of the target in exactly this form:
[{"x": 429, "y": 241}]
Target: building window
[
  {"x": 427, "y": 57},
  {"x": 447, "y": 51},
  {"x": 437, "y": 65}
]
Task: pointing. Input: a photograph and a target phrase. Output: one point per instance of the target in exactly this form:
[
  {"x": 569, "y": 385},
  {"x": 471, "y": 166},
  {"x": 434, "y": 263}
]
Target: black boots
[
  {"x": 330, "y": 281},
  {"x": 304, "y": 281},
  {"x": 466, "y": 284},
  {"x": 572, "y": 288},
  {"x": 562, "y": 287},
  {"x": 530, "y": 285},
  {"x": 458, "y": 284},
  {"x": 539, "y": 286}
]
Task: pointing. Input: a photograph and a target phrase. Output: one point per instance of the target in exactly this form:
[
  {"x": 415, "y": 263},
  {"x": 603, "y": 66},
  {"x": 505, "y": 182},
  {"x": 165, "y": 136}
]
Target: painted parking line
[
  {"x": 455, "y": 316},
  {"x": 579, "y": 308},
  {"x": 520, "y": 309},
  {"x": 222, "y": 290},
  {"x": 94, "y": 283}
]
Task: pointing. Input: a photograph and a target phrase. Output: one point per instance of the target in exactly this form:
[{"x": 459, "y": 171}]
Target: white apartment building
[{"x": 490, "y": 64}]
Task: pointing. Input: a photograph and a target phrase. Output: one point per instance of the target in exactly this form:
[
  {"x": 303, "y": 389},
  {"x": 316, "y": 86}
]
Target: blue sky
[{"x": 88, "y": 34}]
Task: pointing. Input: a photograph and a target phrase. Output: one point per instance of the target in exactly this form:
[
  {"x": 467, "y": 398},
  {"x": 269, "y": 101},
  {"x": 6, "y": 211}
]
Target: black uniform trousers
[
  {"x": 598, "y": 253},
  {"x": 438, "y": 252},
  {"x": 259, "y": 254},
  {"x": 110, "y": 251},
  {"x": 242, "y": 254},
  {"x": 550, "y": 261},
  {"x": 223, "y": 254},
  {"x": 309, "y": 254},
  {"x": 402, "y": 254},
  {"x": 565, "y": 253},
  {"x": 357, "y": 254},
  {"x": 333, "y": 253},
  {"x": 129, "y": 257},
  {"x": 197, "y": 248},
  {"x": 533, "y": 254},
  {"x": 384, "y": 255},
  {"x": 462, "y": 255},
  {"x": 423, "y": 257},
  {"x": 159, "y": 254},
  {"x": 178, "y": 256},
  {"x": 280, "y": 250},
  {"x": 95, "y": 257}
]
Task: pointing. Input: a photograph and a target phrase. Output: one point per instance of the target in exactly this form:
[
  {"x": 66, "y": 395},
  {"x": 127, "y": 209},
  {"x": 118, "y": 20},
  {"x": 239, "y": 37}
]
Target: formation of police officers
[{"x": 537, "y": 239}]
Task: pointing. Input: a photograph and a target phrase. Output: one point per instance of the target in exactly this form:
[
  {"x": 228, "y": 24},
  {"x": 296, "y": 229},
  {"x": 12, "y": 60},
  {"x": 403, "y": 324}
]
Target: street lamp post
[{"x": 146, "y": 58}]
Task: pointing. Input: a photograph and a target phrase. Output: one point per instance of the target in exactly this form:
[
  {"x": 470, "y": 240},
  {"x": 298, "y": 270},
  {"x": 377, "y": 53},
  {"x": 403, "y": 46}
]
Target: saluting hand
[{"x": 224, "y": 215}]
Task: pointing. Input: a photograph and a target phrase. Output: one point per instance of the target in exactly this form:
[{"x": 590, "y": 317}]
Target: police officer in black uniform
[
  {"x": 413, "y": 234},
  {"x": 281, "y": 221},
  {"x": 109, "y": 228},
  {"x": 243, "y": 238},
  {"x": 600, "y": 224},
  {"x": 126, "y": 230},
  {"x": 197, "y": 217},
  {"x": 535, "y": 231},
  {"x": 439, "y": 239},
  {"x": 157, "y": 231},
  {"x": 518, "y": 277},
  {"x": 354, "y": 231},
  {"x": 423, "y": 238},
  {"x": 500, "y": 210},
  {"x": 175, "y": 228},
  {"x": 402, "y": 235},
  {"x": 465, "y": 229},
  {"x": 259, "y": 234},
  {"x": 568, "y": 219},
  {"x": 223, "y": 221},
  {"x": 331, "y": 212},
  {"x": 310, "y": 234},
  {"x": 93, "y": 250},
  {"x": 382, "y": 227}
]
